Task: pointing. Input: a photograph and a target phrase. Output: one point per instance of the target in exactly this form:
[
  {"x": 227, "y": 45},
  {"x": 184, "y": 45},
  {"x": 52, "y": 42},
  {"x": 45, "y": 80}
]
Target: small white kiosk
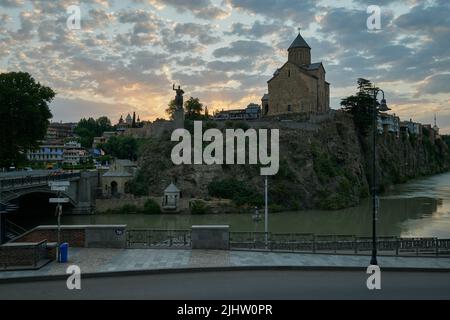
[{"x": 171, "y": 198}]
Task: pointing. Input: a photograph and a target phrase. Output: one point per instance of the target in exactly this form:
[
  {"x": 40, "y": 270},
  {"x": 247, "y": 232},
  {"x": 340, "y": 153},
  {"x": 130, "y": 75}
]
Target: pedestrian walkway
[{"x": 119, "y": 260}]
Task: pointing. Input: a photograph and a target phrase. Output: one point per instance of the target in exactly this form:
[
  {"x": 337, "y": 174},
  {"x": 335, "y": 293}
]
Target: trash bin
[{"x": 63, "y": 252}]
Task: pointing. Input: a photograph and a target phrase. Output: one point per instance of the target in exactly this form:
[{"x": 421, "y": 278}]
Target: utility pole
[
  {"x": 266, "y": 213},
  {"x": 59, "y": 186}
]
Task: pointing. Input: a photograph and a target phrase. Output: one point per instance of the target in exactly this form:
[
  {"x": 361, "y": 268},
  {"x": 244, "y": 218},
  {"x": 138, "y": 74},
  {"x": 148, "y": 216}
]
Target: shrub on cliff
[
  {"x": 236, "y": 190},
  {"x": 198, "y": 207},
  {"x": 151, "y": 207}
]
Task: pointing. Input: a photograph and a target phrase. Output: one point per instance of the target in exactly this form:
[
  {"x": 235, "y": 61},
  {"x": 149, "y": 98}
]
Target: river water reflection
[{"x": 419, "y": 208}]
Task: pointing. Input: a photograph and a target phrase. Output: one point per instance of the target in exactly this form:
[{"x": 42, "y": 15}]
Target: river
[{"x": 419, "y": 208}]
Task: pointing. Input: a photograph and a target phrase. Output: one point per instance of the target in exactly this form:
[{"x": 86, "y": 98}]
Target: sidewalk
[{"x": 123, "y": 260}]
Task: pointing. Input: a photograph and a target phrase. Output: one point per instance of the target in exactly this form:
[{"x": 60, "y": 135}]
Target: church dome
[
  {"x": 299, "y": 42},
  {"x": 300, "y": 52}
]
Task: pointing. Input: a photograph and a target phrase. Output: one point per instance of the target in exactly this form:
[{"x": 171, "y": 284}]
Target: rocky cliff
[{"x": 322, "y": 165}]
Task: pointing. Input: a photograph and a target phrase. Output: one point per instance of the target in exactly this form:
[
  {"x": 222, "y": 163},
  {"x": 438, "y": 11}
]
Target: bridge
[{"x": 81, "y": 191}]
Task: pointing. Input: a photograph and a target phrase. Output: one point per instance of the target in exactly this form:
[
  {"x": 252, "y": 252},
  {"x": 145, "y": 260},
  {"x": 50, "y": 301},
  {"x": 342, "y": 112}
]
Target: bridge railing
[{"x": 13, "y": 183}]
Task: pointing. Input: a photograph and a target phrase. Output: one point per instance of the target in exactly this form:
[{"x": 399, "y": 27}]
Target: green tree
[
  {"x": 87, "y": 129},
  {"x": 193, "y": 109},
  {"x": 171, "y": 109},
  {"x": 360, "y": 106},
  {"x": 24, "y": 115},
  {"x": 103, "y": 124},
  {"x": 446, "y": 139},
  {"x": 122, "y": 147}
]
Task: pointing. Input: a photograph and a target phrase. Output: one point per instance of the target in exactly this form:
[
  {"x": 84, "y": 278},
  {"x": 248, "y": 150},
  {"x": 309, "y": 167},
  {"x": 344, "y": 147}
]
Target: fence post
[
  {"x": 34, "y": 256},
  {"x": 397, "y": 245},
  {"x": 314, "y": 243},
  {"x": 335, "y": 243}
]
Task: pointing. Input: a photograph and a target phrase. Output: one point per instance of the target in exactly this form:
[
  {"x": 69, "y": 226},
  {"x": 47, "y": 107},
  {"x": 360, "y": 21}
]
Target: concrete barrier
[
  {"x": 87, "y": 236},
  {"x": 106, "y": 236},
  {"x": 215, "y": 237}
]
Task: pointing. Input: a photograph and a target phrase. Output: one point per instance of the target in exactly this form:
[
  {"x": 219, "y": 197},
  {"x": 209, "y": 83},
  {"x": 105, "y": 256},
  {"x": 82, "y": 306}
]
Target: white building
[
  {"x": 74, "y": 154},
  {"x": 388, "y": 123}
]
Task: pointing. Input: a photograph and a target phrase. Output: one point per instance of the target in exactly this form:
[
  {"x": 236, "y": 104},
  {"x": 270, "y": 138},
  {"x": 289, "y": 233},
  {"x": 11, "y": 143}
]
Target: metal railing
[
  {"x": 15, "y": 183},
  {"x": 156, "y": 238},
  {"x": 296, "y": 242},
  {"x": 339, "y": 244},
  {"x": 27, "y": 255}
]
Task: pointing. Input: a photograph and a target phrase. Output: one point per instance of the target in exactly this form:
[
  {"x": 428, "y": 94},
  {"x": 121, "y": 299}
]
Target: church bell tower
[{"x": 300, "y": 52}]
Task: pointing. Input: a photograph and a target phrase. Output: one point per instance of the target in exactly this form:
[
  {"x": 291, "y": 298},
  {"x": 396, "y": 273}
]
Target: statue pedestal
[{"x": 178, "y": 119}]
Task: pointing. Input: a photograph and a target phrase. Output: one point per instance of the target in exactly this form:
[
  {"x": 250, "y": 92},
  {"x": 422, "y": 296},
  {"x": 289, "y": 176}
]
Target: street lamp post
[
  {"x": 382, "y": 108},
  {"x": 266, "y": 212}
]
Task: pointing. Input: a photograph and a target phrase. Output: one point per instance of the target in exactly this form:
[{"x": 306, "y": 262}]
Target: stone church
[{"x": 299, "y": 85}]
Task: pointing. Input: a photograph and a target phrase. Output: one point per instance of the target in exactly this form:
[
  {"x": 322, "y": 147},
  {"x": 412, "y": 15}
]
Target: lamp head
[{"x": 383, "y": 106}]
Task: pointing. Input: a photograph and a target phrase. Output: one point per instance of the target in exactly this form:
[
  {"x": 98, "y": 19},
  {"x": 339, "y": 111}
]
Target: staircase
[{"x": 13, "y": 230}]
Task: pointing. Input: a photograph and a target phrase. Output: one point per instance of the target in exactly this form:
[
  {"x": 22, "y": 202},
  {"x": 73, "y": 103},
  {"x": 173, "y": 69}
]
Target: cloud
[
  {"x": 244, "y": 48},
  {"x": 259, "y": 29},
  {"x": 202, "y": 9},
  {"x": 439, "y": 83},
  {"x": 300, "y": 12},
  {"x": 11, "y": 3},
  {"x": 201, "y": 32},
  {"x": 129, "y": 52}
]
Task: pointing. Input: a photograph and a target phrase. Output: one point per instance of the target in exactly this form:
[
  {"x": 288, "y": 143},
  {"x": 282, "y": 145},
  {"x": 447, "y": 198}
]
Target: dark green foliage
[
  {"x": 171, "y": 108},
  {"x": 325, "y": 165},
  {"x": 89, "y": 128},
  {"x": 122, "y": 147},
  {"x": 139, "y": 185},
  {"x": 360, "y": 106},
  {"x": 125, "y": 209},
  {"x": 193, "y": 109},
  {"x": 241, "y": 125},
  {"x": 198, "y": 207},
  {"x": 234, "y": 189},
  {"x": 446, "y": 139},
  {"x": 158, "y": 160},
  {"x": 151, "y": 207},
  {"x": 24, "y": 115},
  {"x": 209, "y": 125}
]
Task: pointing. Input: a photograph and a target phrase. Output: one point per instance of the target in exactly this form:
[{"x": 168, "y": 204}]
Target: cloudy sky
[{"x": 128, "y": 53}]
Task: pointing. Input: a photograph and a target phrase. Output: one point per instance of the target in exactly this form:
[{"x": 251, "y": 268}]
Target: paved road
[{"x": 256, "y": 285}]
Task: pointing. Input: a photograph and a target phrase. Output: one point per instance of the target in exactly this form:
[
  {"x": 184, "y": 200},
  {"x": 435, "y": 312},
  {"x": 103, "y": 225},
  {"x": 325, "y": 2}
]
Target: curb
[{"x": 108, "y": 274}]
